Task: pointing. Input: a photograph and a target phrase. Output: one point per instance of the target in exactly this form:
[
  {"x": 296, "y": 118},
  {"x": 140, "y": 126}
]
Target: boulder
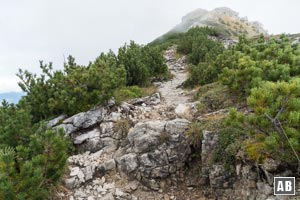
[
  {"x": 88, "y": 172},
  {"x": 109, "y": 145},
  {"x": 86, "y": 136},
  {"x": 108, "y": 196},
  {"x": 217, "y": 176},
  {"x": 107, "y": 129},
  {"x": 68, "y": 128},
  {"x": 76, "y": 174},
  {"x": 182, "y": 110},
  {"x": 56, "y": 121},
  {"x": 71, "y": 182},
  {"x": 154, "y": 99},
  {"x": 177, "y": 126},
  {"x": 92, "y": 145},
  {"x": 83, "y": 120},
  {"x": 158, "y": 149},
  {"x": 108, "y": 165},
  {"x": 128, "y": 163}
]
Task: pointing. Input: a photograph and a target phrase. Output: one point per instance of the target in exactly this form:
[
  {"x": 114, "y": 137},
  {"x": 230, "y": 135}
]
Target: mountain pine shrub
[
  {"x": 32, "y": 158},
  {"x": 273, "y": 125}
]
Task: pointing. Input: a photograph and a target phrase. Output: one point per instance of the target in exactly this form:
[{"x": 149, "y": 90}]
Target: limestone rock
[
  {"x": 149, "y": 100},
  {"x": 107, "y": 129},
  {"x": 128, "y": 163},
  {"x": 86, "y": 136},
  {"x": 177, "y": 126},
  {"x": 68, "y": 128},
  {"x": 182, "y": 110},
  {"x": 71, "y": 182},
  {"x": 74, "y": 171},
  {"x": 217, "y": 176},
  {"x": 109, "y": 196},
  {"x": 56, "y": 121},
  {"x": 109, "y": 186},
  {"x": 160, "y": 147},
  {"x": 83, "y": 120},
  {"x": 80, "y": 194},
  {"x": 88, "y": 172},
  {"x": 109, "y": 144},
  {"x": 108, "y": 165}
]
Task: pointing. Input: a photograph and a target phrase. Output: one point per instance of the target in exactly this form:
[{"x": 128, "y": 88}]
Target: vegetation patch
[
  {"x": 79, "y": 88},
  {"x": 195, "y": 131},
  {"x": 228, "y": 146},
  {"x": 123, "y": 127},
  {"x": 32, "y": 158},
  {"x": 213, "y": 97}
]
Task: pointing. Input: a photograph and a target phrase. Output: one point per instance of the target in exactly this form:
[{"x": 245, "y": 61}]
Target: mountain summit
[{"x": 223, "y": 18}]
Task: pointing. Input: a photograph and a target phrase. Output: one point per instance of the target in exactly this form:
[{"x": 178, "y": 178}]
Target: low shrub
[{"x": 126, "y": 93}]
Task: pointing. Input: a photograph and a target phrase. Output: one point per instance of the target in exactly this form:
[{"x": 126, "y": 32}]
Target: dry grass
[
  {"x": 238, "y": 26},
  {"x": 132, "y": 92},
  {"x": 147, "y": 91},
  {"x": 178, "y": 55},
  {"x": 123, "y": 126},
  {"x": 214, "y": 97},
  {"x": 215, "y": 116}
]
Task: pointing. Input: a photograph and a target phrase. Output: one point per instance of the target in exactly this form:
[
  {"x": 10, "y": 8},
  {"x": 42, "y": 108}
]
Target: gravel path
[{"x": 171, "y": 91}]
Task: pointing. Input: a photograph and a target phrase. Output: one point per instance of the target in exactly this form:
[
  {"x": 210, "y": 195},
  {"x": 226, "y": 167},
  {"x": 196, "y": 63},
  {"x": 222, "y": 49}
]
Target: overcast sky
[{"x": 34, "y": 30}]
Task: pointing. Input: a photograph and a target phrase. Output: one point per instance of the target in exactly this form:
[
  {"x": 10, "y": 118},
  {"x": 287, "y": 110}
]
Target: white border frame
[{"x": 284, "y": 194}]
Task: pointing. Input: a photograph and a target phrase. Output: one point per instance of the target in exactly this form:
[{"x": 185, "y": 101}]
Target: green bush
[
  {"x": 15, "y": 125},
  {"x": 75, "y": 89},
  {"x": 194, "y": 36},
  {"x": 276, "y": 117},
  {"x": 155, "y": 62},
  {"x": 127, "y": 93},
  {"x": 142, "y": 64},
  {"x": 169, "y": 39},
  {"x": 248, "y": 63},
  {"x": 228, "y": 146},
  {"x": 32, "y": 158},
  {"x": 273, "y": 126},
  {"x": 79, "y": 88},
  {"x": 137, "y": 73},
  {"x": 201, "y": 74},
  {"x": 201, "y": 52},
  {"x": 196, "y": 44}
]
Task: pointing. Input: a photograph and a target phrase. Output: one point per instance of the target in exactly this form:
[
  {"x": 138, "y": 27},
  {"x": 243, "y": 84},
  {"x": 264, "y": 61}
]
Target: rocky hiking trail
[
  {"x": 134, "y": 151},
  {"x": 174, "y": 100},
  {"x": 171, "y": 91},
  {"x": 139, "y": 150}
]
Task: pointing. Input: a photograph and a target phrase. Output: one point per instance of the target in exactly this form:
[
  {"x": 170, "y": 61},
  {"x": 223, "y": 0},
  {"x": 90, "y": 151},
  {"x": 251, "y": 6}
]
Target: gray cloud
[{"x": 35, "y": 30}]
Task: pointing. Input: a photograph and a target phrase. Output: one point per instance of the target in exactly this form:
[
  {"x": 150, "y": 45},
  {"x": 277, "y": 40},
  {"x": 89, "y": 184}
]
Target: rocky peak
[
  {"x": 225, "y": 11},
  {"x": 222, "y": 18}
]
